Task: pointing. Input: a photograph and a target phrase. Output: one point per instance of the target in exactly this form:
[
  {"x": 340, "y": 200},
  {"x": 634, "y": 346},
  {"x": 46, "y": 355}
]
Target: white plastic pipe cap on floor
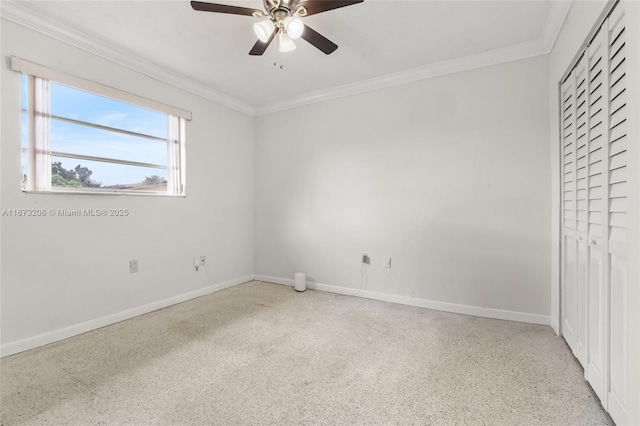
[{"x": 301, "y": 281}]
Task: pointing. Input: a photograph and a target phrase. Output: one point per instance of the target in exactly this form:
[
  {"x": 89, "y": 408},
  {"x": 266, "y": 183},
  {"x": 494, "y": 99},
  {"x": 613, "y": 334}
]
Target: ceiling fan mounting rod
[{"x": 279, "y": 14}]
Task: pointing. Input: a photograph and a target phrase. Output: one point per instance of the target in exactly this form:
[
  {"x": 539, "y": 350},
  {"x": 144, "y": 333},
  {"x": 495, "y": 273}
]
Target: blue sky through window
[{"x": 84, "y": 106}]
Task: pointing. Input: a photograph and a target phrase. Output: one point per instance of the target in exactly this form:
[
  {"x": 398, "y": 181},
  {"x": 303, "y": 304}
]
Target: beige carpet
[{"x": 264, "y": 354}]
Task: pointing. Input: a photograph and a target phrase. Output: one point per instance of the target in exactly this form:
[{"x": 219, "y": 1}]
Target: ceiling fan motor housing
[{"x": 280, "y": 9}]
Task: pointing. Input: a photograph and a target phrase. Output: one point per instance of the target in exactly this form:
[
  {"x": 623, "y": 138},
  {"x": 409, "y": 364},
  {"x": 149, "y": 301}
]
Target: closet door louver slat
[
  {"x": 596, "y": 134},
  {"x": 581, "y": 176}
]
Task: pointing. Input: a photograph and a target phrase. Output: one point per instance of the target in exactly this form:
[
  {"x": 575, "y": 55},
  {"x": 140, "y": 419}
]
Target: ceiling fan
[{"x": 283, "y": 20}]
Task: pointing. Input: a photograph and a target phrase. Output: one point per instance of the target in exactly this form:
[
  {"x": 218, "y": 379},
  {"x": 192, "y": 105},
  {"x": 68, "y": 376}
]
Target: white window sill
[{"x": 105, "y": 192}]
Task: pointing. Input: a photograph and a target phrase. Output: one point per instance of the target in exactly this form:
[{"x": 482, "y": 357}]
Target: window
[{"x": 80, "y": 136}]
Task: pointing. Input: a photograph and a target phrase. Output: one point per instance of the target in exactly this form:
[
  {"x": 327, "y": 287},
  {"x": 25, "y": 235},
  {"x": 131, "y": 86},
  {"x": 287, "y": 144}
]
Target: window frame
[{"x": 39, "y": 151}]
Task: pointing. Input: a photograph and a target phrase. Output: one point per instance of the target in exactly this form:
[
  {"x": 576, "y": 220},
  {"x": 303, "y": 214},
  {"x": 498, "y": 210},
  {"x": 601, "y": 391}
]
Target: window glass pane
[
  {"x": 79, "y": 173},
  {"x": 23, "y": 130},
  {"x": 96, "y": 143},
  {"x": 84, "y": 140},
  {"x": 84, "y": 106}
]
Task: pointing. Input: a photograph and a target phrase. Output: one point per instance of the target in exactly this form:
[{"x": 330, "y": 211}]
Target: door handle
[{"x": 592, "y": 242}]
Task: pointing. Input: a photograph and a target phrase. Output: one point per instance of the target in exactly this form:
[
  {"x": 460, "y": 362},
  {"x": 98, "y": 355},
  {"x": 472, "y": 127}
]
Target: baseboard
[
  {"x": 422, "y": 303},
  {"x": 553, "y": 322},
  {"x": 74, "y": 330},
  {"x": 64, "y": 333}
]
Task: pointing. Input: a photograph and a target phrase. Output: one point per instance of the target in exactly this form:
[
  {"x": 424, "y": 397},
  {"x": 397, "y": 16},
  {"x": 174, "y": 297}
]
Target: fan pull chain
[
  {"x": 278, "y": 52},
  {"x": 275, "y": 51},
  {"x": 280, "y": 49}
]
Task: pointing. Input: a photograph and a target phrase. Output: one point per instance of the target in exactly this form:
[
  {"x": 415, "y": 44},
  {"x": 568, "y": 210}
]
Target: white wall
[
  {"x": 58, "y": 273},
  {"x": 448, "y": 176},
  {"x": 581, "y": 18}
]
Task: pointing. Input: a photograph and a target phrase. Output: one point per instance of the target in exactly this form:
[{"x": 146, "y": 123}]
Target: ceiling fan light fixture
[
  {"x": 264, "y": 29},
  {"x": 286, "y": 44},
  {"x": 294, "y": 27}
]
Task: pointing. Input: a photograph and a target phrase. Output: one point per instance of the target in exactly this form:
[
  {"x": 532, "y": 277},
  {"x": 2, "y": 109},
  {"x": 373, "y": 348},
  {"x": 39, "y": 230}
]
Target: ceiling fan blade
[
  {"x": 221, "y": 8},
  {"x": 260, "y": 47},
  {"x": 319, "y": 6},
  {"x": 318, "y": 40}
]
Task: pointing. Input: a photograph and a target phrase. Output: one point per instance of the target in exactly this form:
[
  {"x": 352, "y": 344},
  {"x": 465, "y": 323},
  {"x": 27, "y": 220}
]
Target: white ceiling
[{"x": 381, "y": 43}]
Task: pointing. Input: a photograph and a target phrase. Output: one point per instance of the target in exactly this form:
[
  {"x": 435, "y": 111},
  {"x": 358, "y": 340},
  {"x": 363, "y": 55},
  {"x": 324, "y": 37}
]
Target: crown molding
[
  {"x": 543, "y": 45},
  {"x": 466, "y": 63},
  {"x": 555, "y": 20},
  {"x": 21, "y": 15}
]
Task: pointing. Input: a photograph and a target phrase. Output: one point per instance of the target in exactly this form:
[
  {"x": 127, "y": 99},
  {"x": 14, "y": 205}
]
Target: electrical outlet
[
  {"x": 366, "y": 259},
  {"x": 199, "y": 261},
  {"x": 386, "y": 262},
  {"x": 133, "y": 266}
]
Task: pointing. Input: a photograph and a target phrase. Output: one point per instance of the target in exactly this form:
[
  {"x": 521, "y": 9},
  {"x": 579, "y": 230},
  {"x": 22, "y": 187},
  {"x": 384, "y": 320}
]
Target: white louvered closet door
[
  {"x": 597, "y": 302},
  {"x": 569, "y": 235},
  {"x": 618, "y": 191},
  {"x": 581, "y": 158},
  {"x": 594, "y": 217}
]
